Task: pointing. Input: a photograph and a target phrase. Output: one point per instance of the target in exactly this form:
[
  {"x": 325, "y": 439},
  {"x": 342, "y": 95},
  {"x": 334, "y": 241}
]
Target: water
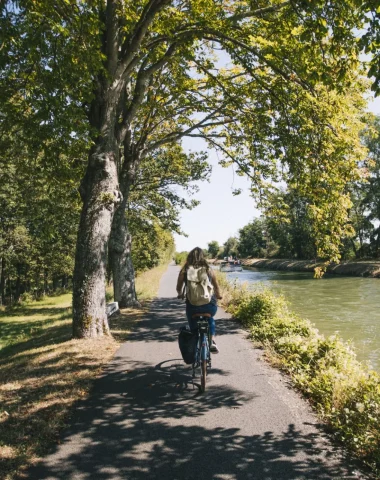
[{"x": 347, "y": 305}]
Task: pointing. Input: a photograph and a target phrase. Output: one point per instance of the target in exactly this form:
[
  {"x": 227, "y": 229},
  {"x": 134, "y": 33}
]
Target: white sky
[{"x": 220, "y": 214}]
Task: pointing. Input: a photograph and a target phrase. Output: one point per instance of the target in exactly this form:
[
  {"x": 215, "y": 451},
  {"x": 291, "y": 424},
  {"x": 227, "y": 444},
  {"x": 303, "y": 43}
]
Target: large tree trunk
[
  {"x": 123, "y": 273},
  {"x": 121, "y": 261},
  {"x": 100, "y": 194}
]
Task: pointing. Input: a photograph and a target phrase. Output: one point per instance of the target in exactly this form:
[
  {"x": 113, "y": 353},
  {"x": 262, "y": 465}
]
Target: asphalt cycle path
[{"x": 146, "y": 418}]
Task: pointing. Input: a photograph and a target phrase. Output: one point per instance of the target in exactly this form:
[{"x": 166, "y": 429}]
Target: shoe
[{"x": 214, "y": 348}]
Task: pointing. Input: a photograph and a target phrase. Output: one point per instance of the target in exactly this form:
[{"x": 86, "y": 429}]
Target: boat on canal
[{"x": 230, "y": 266}]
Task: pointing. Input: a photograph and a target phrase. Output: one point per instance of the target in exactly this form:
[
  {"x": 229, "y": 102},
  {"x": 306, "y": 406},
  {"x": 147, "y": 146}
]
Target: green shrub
[
  {"x": 256, "y": 309},
  {"x": 180, "y": 257},
  {"x": 25, "y": 298}
]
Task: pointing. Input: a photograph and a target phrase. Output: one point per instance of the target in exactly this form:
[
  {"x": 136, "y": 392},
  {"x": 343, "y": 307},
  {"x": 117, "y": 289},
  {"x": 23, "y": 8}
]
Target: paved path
[{"x": 147, "y": 420}]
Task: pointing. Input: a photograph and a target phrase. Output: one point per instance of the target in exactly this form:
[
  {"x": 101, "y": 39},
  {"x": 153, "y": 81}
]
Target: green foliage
[
  {"x": 343, "y": 391},
  {"x": 280, "y": 111},
  {"x": 154, "y": 192},
  {"x": 213, "y": 248},
  {"x": 230, "y": 247},
  {"x": 39, "y": 215},
  {"x": 370, "y": 40},
  {"x": 366, "y": 196},
  {"x": 252, "y": 239},
  {"x": 290, "y": 225},
  {"x": 151, "y": 246},
  {"x": 180, "y": 257}
]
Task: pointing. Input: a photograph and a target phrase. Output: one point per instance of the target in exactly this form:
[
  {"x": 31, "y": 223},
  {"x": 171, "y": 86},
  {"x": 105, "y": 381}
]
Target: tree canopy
[{"x": 120, "y": 76}]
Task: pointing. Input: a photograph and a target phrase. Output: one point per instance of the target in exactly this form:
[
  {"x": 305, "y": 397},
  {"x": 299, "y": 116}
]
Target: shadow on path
[
  {"x": 165, "y": 319},
  {"x": 131, "y": 427}
]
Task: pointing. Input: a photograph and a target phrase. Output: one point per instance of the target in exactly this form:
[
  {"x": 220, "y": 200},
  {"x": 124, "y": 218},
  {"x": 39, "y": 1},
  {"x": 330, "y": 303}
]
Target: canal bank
[
  {"x": 370, "y": 268},
  {"x": 356, "y": 269}
]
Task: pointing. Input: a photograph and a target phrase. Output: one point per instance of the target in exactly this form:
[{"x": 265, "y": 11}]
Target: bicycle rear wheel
[{"x": 203, "y": 375}]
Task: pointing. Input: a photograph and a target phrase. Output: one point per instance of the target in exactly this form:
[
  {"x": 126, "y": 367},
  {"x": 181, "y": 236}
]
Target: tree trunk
[
  {"x": 55, "y": 283},
  {"x": 10, "y": 291},
  {"x": 2, "y": 281},
  {"x": 354, "y": 248},
  {"x": 46, "y": 284},
  {"x": 99, "y": 191},
  {"x": 123, "y": 272},
  {"x": 121, "y": 260},
  {"x": 18, "y": 283}
]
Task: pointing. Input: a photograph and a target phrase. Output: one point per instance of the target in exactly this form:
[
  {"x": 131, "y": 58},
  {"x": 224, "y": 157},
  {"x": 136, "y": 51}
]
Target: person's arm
[
  {"x": 180, "y": 283},
  {"x": 214, "y": 283}
]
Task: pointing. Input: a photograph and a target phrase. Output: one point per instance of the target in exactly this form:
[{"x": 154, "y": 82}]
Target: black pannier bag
[{"x": 187, "y": 342}]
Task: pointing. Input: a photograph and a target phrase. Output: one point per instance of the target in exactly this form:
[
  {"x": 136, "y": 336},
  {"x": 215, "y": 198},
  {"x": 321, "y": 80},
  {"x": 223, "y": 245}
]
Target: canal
[{"x": 335, "y": 303}]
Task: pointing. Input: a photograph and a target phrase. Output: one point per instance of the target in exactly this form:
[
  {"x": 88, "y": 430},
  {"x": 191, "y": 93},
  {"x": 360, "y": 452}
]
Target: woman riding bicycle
[{"x": 196, "y": 260}]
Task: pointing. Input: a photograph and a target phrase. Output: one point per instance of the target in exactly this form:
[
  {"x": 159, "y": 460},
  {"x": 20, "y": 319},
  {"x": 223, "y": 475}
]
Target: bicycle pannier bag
[
  {"x": 187, "y": 341},
  {"x": 198, "y": 287}
]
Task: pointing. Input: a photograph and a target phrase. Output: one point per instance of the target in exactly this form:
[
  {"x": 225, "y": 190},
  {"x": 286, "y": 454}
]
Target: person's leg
[
  {"x": 190, "y": 310},
  {"x": 211, "y": 310},
  {"x": 211, "y": 321}
]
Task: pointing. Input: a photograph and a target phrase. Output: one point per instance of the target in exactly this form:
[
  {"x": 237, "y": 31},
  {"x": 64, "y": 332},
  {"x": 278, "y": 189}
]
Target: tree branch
[
  {"x": 143, "y": 77},
  {"x": 112, "y": 43},
  {"x": 132, "y": 44},
  {"x": 259, "y": 12},
  {"x": 174, "y": 136}
]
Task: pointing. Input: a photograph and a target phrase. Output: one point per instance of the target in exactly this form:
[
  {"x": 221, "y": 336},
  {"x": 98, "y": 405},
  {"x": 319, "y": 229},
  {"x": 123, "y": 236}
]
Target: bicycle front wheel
[{"x": 203, "y": 375}]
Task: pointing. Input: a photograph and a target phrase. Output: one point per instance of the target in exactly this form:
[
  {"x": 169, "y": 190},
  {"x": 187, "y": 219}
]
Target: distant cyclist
[{"x": 202, "y": 291}]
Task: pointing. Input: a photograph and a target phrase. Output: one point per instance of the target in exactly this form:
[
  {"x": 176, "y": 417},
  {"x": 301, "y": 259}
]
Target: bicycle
[{"x": 202, "y": 354}]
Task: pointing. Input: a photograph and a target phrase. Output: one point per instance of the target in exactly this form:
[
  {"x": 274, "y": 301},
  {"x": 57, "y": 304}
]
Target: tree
[
  {"x": 152, "y": 245},
  {"x": 213, "y": 248},
  {"x": 38, "y": 222},
  {"x": 371, "y": 189},
  {"x": 370, "y": 40},
  {"x": 252, "y": 239},
  {"x": 150, "y": 196},
  {"x": 94, "y": 63},
  {"x": 290, "y": 226},
  {"x": 230, "y": 247}
]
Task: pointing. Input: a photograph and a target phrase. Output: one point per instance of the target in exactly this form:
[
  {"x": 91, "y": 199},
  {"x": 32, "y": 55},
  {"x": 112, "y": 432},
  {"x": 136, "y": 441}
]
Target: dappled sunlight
[
  {"x": 43, "y": 372},
  {"x": 148, "y": 419}
]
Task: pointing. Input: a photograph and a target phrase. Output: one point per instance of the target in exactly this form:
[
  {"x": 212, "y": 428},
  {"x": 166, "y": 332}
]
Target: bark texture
[
  {"x": 123, "y": 273},
  {"x": 121, "y": 261},
  {"x": 100, "y": 194},
  {"x": 2, "y": 281}
]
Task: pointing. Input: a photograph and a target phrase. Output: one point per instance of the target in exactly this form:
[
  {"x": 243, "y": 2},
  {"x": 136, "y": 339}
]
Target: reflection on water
[{"x": 347, "y": 305}]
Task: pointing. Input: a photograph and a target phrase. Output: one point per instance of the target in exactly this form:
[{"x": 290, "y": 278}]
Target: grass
[
  {"x": 43, "y": 371},
  {"x": 147, "y": 283}
]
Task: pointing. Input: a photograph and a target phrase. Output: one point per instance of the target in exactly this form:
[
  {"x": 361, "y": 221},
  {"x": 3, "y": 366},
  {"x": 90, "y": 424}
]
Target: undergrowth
[{"x": 344, "y": 392}]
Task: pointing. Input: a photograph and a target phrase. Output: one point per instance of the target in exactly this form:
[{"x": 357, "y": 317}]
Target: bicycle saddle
[{"x": 205, "y": 315}]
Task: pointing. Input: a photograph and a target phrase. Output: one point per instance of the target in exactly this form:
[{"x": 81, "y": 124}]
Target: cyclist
[{"x": 196, "y": 259}]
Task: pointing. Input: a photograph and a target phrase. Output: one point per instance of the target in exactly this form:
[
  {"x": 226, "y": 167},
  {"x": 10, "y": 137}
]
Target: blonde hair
[{"x": 195, "y": 258}]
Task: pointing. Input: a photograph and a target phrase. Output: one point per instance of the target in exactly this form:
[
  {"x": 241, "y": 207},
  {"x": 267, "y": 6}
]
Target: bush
[
  {"x": 26, "y": 298},
  {"x": 180, "y": 258}
]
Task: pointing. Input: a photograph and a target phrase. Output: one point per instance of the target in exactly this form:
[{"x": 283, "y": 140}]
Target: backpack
[
  {"x": 199, "y": 290},
  {"x": 187, "y": 341}
]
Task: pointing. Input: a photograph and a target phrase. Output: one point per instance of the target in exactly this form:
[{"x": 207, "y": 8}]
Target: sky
[{"x": 220, "y": 214}]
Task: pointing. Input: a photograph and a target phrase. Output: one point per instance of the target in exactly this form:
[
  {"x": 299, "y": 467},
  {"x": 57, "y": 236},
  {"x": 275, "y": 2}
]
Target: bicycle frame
[{"x": 202, "y": 355}]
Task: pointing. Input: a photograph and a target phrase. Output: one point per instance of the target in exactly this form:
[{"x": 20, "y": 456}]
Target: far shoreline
[{"x": 364, "y": 268}]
